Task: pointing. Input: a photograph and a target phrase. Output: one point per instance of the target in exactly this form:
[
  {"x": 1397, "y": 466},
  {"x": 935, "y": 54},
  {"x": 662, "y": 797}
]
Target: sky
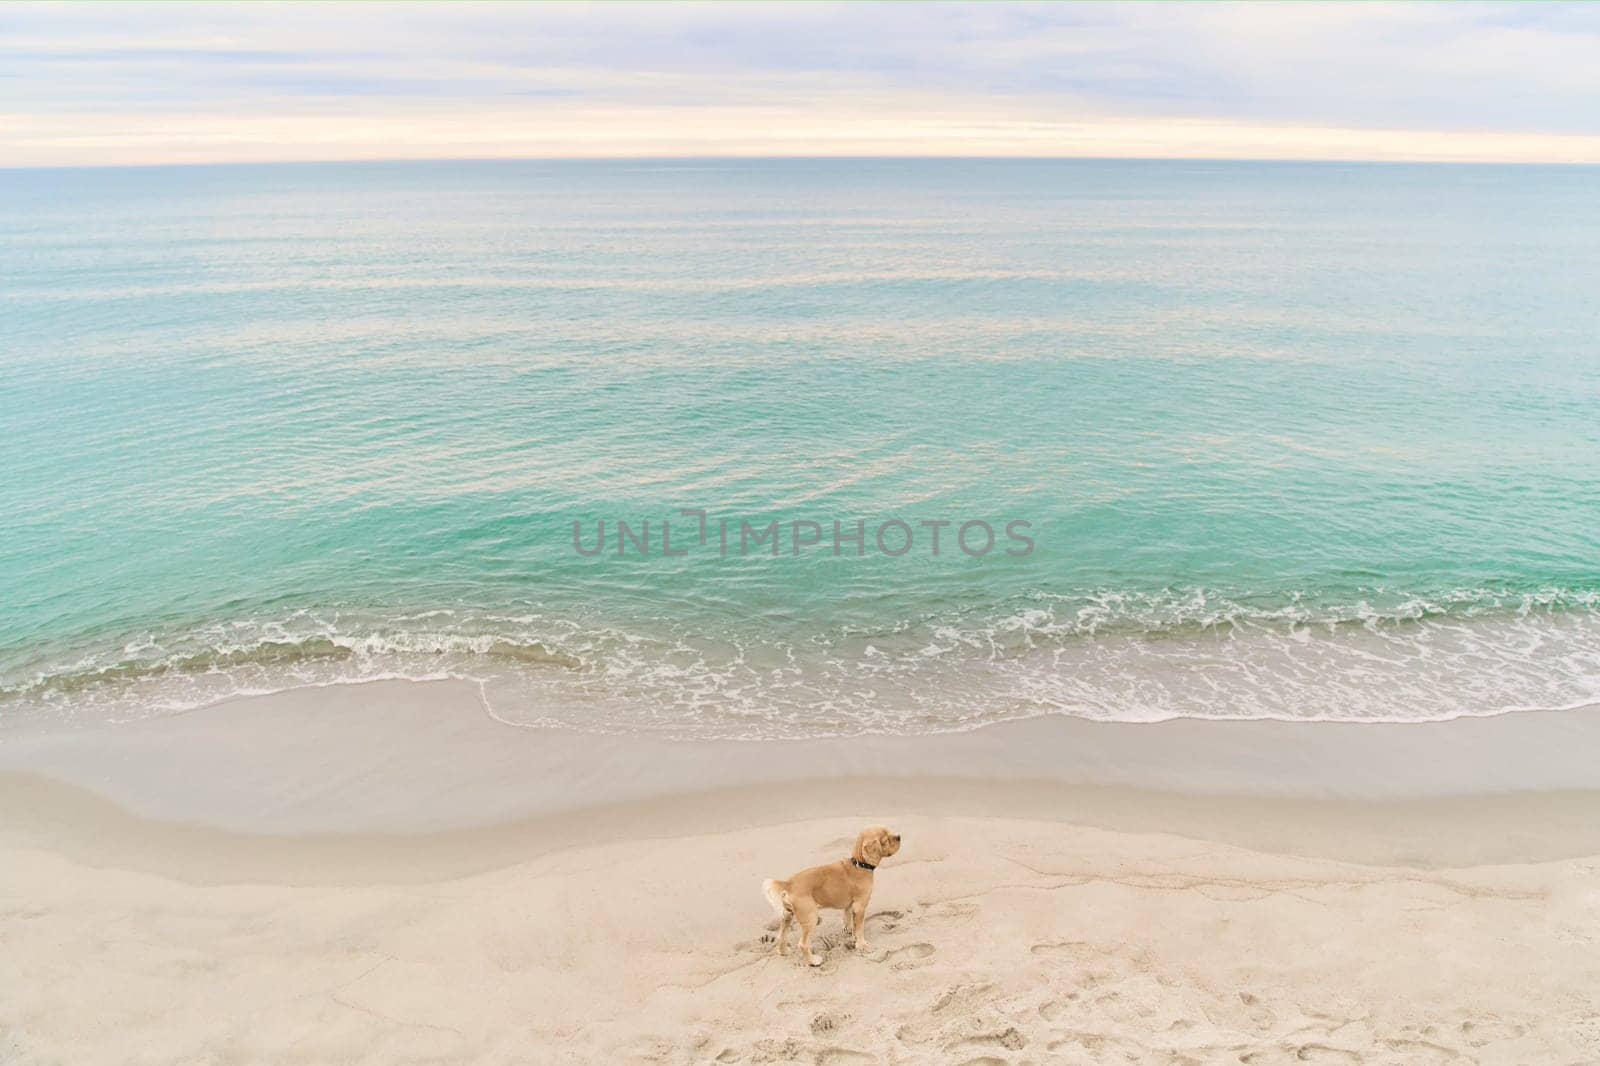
[{"x": 90, "y": 84}]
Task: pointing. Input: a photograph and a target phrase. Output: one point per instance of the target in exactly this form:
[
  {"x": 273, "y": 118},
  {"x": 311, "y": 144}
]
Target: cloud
[{"x": 142, "y": 84}]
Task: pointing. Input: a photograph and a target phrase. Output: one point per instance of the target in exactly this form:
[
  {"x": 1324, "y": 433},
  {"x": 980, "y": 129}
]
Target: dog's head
[{"x": 875, "y": 844}]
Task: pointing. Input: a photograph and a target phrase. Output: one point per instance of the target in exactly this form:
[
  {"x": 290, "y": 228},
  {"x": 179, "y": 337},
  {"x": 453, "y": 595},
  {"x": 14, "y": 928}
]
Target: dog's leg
[
  {"x": 782, "y": 946},
  {"x": 805, "y": 912},
  {"x": 858, "y": 921}
]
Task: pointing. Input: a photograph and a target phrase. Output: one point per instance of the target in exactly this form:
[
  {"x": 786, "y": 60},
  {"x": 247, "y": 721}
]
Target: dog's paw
[{"x": 815, "y": 960}]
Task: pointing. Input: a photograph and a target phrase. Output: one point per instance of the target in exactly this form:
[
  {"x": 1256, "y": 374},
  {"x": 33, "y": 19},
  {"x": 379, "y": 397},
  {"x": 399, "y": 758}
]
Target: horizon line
[{"x": 823, "y": 157}]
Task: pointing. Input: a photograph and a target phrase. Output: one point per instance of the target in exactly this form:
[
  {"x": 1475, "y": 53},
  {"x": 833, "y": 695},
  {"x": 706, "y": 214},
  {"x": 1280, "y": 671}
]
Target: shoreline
[
  {"x": 420, "y": 757},
  {"x": 417, "y": 782}
]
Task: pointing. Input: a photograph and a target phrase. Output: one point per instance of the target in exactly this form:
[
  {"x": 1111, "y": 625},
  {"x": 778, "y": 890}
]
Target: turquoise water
[{"x": 1315, "y": 441}]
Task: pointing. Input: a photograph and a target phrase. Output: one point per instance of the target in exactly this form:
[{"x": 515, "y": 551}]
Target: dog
[{"x": 846, "y": 885}]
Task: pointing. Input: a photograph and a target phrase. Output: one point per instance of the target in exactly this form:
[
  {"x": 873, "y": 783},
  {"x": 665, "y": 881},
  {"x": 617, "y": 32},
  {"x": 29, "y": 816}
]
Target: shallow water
[{"x": 1289, "y": 440}]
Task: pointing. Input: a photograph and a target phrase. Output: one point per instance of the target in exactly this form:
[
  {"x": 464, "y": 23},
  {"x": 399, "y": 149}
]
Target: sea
[{"x": 792, "y": 448}]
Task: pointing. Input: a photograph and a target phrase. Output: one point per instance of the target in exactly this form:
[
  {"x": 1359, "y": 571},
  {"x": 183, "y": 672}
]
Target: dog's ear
[
  {"x": 891, "y": 843},
  {"x": 869, "y": 845}
]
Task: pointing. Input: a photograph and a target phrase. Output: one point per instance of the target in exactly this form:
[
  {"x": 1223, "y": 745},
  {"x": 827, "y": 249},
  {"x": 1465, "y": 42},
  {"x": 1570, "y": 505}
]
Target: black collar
[{"x": 858, "y": 864}]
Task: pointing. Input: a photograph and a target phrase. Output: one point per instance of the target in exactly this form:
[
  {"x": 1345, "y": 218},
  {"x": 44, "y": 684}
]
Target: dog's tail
[{"x": 777, "y": 893}]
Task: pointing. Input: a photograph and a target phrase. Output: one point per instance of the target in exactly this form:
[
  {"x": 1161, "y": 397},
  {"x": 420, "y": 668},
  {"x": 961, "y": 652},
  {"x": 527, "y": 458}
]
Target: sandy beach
[{"x": 1068, "y": 917}]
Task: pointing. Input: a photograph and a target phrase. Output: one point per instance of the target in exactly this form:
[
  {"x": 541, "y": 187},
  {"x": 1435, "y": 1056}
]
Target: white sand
[
  {"x": 994, "y": 941},
  {"x": 1029, "y": 921}
]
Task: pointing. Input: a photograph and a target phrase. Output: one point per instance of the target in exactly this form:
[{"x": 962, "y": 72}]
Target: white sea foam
[{"x": 1111, "y": 656}]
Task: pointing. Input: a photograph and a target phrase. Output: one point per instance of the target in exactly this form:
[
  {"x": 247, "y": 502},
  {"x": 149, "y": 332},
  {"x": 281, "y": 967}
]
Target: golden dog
[{"x": 846, "y": 885}]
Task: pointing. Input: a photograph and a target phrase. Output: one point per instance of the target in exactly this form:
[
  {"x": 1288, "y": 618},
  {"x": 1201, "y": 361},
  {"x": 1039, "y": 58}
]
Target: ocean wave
[{"x": 1385, "y": 655}]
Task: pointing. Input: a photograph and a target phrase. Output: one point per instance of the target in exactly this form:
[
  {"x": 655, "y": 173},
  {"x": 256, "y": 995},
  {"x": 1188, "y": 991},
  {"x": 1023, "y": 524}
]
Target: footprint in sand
[
  {"x": 1090, "y": 1042},
  {"x": 1260, "y": 1015},
  {"x": 1422, "y": 1051},
  {"x": 1091, "y": 966},
  {"x": 1076, "y": 950},
  {"x": 1490, "y": 1031},
  {"x": 884, "y": 921},
  {"x": 908, "y": 955},
  {"x": 951, "y": 910},
  {"x": 1586, "y": 1030},
  {"x": 776, "y": 1050},
  {"x": 1055, "y": 1009},
  {"x": 1009, "y": 1039},
  {"x": 827, "y": 1022},
  {"x": 982, "y": 1060},
  {"x": 1324, "y": 1053},
  {"x": 912, "y": 1034},
  {"x": 962, "y": 995},
  {"x": 840, "y": 1056}
]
